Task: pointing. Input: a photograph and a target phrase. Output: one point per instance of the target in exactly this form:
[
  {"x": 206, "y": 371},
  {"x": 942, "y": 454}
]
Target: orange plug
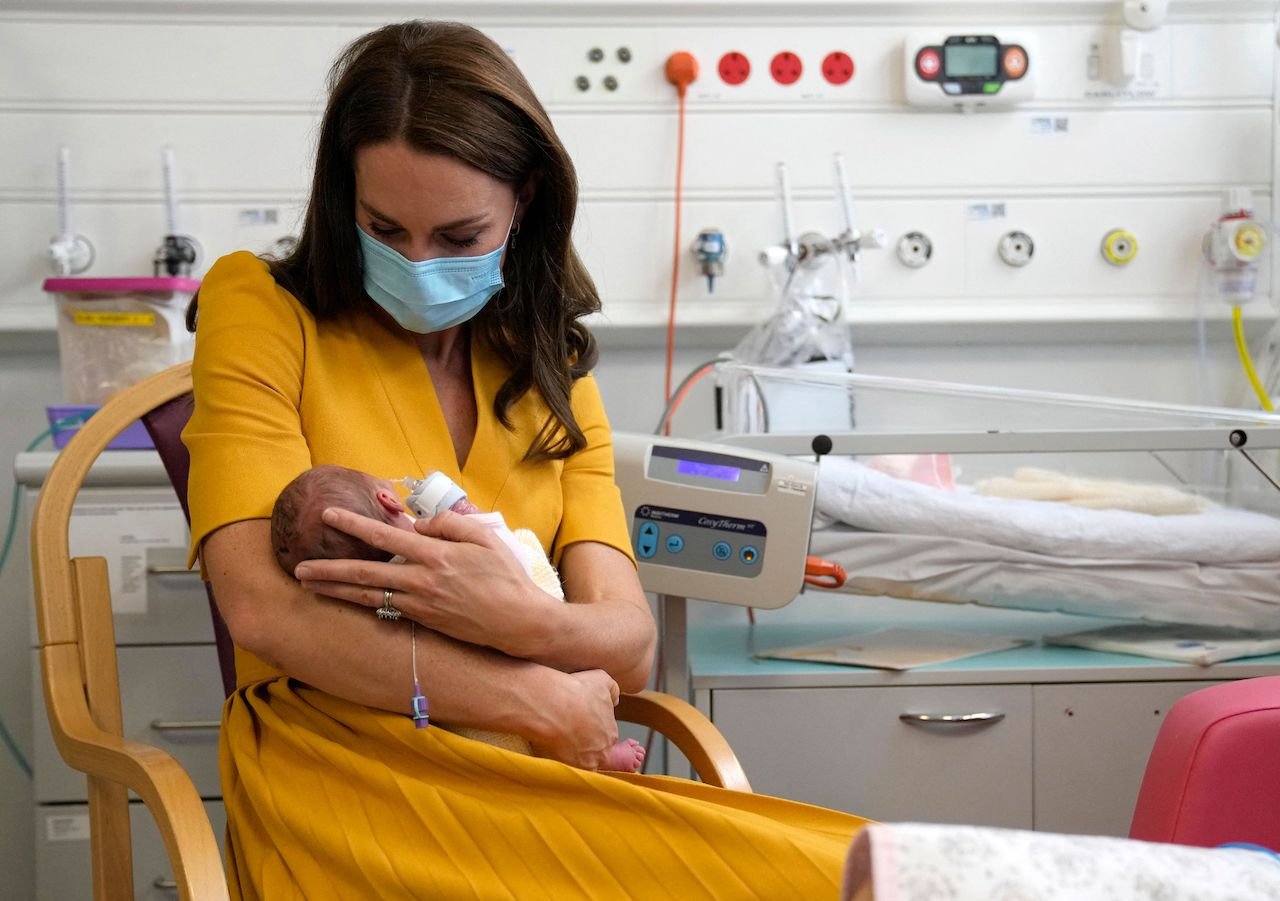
[{"x": 682, "y": 70}]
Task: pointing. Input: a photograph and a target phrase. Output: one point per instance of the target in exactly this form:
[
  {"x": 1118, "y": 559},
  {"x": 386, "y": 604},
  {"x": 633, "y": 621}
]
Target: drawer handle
[
  {"x": 184, "y": 725},
  {"x": 158, "y": 569},
  {"x": 955, "y": 719},
  {"x": 164, "y": 884}
]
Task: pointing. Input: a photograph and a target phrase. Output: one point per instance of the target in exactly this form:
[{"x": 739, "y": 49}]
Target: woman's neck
[{"x": 444, "y": 348}]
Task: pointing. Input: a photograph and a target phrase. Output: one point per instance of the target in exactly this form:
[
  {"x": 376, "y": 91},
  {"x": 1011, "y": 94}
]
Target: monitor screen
[
  {"x": 969, "y": 61},
  {"x": 710, "y": 470}
]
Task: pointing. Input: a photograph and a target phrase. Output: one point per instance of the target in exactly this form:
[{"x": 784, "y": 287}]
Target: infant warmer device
[{"x": 112, "y": 333}]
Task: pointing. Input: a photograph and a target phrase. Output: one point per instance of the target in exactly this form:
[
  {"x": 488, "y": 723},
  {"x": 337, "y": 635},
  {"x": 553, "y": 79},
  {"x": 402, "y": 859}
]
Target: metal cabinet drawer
[
  {"x": 1092, "y": 742},
  {"x": 172, "y": 699},
  {"x": 156, "y": 598},
  {"x": 63, "y": 871},
  {"x": 875, "y": 752}
]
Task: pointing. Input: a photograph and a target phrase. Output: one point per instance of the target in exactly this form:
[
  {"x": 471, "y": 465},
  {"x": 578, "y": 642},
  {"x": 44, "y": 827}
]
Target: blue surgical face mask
[{"x": 431, "y": 295}]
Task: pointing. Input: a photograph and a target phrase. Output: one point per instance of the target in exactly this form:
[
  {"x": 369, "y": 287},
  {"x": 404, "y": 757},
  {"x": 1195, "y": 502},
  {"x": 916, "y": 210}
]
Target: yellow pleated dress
[{"x": 327, "y": 799}]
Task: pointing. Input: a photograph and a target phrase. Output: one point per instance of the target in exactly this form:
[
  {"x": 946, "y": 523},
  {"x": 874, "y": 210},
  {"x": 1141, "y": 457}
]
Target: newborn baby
[{"x": 298, "y": 533}]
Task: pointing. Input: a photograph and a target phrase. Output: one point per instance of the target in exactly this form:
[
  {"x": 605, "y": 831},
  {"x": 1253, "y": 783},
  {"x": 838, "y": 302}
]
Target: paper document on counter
[
  {"x": 895, "y": 649},
  {"x": 1201, "y": 645}
]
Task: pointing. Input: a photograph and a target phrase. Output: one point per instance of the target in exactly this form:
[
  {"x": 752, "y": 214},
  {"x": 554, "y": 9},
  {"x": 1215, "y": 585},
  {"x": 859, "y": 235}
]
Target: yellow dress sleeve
[
  {"x": 245, "y": 436},
  {"x": 592, "y": 503}
]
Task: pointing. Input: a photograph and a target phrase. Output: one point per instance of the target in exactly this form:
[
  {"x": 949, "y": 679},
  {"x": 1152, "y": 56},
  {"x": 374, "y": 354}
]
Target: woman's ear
[{"x": 525, "y": 195}]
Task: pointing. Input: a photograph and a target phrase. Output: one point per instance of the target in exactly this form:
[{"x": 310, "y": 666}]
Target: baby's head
[{"x": 297, "y": 531}]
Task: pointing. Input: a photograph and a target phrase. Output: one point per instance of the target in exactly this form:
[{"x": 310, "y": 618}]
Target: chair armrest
[
  {"x": 696, "y": 736},
  {"x": 157, "y": 778}
]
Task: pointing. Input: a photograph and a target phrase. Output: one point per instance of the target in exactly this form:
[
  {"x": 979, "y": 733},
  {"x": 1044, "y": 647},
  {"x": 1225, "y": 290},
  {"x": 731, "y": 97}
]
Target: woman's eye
[
  {"x": 382, "y": 231},
  {"x": 462, "y": 242}
]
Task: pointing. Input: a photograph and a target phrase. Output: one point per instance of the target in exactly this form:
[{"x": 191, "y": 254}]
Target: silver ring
[{"x": 386, "y": 611}]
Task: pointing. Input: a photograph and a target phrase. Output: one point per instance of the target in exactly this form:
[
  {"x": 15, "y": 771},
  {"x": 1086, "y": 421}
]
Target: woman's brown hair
[{"x": 445, "y": 88}]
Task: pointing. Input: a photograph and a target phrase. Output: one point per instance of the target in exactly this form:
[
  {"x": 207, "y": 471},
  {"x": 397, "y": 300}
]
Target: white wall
[{"x": 235, "y": 86}]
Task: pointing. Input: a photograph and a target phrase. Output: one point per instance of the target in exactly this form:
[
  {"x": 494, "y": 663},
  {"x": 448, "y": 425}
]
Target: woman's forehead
[{"x": 424, "y": 190}]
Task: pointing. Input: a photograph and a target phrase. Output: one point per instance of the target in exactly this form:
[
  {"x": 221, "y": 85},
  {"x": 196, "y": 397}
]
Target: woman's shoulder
[{"x": 241, "y": 283}]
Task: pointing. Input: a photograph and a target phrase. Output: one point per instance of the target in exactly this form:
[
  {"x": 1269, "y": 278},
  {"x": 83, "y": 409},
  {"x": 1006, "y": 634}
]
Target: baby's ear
[{"x": 390, "y": 502}]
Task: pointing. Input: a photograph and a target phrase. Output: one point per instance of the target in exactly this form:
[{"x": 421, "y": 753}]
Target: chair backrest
[
  {"x": 164, "y": 424},
  {"x": 81, "y": 680},
  {"x": 1213, "y": 775}
]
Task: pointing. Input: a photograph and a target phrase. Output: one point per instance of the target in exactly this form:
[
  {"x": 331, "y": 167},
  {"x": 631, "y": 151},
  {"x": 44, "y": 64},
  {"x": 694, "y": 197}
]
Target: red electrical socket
[
  {"x": 734, "y": 68},
  {"x": 838, "y": 67},
  {"x": 786, "y": 68}
]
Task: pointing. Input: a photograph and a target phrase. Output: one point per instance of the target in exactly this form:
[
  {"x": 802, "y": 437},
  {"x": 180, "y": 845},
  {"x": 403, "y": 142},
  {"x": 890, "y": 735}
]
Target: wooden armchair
[{"x": 81, "y": 681}]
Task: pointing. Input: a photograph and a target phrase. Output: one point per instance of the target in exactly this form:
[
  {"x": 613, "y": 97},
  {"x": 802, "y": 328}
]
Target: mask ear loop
[{"x": 513, "y": 229}]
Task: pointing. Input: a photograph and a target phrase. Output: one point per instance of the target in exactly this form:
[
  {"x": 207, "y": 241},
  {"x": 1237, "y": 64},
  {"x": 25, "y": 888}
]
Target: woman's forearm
[
  {"x": 347, "y": 651},
  {"x": 607, "y": 625}
]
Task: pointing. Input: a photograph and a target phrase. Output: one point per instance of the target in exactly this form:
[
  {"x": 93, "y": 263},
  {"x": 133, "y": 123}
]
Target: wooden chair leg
[{"x": 110, "y": 841}]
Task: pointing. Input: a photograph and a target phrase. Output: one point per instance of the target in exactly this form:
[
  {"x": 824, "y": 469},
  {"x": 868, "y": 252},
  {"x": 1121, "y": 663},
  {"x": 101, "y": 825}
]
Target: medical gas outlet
[
  {"x": 914, "y": 250},
  {"x": 1119, "y": 247},
  {"x": 1016, "y": 248},
  {"x": 969, "y": 69},
  {"x": 1234, "y": 246},
  {"x": 709, "y": 250}
]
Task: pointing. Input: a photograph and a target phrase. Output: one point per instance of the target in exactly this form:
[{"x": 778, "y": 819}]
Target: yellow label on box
[{"x": 83, "y": 317}]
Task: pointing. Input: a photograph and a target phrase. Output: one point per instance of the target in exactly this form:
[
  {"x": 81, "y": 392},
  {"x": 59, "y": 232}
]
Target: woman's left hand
[{"x": 458, "y": 578}]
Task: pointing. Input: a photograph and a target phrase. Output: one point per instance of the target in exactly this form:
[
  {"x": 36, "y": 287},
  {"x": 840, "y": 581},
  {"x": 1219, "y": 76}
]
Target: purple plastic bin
[{"x": 135, "y": 437}]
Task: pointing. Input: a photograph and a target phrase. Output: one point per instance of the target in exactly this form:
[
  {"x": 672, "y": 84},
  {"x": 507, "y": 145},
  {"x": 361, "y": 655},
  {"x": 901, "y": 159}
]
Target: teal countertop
[{"x": 722, "y": 653}]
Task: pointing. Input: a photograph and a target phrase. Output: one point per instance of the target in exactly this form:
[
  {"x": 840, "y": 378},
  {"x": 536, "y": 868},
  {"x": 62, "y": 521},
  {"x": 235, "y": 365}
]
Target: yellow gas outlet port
[
  {"x": 1249, "y": 241},
  {"x": 1119, "y": 247}
]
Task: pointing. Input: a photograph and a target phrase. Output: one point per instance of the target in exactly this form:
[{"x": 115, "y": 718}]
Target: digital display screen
[
  {"x": 710, "y": 470},
  {"x": 969, "y": 61}
]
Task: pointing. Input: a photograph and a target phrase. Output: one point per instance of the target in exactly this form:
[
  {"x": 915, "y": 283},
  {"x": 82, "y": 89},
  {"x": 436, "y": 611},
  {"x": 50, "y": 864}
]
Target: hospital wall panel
[
  {"x": 622, "y": 240},
  {"x": 902, "y": 153},
  {"x": 160, "y": 58},
  {"x": 238, "y": 98}
]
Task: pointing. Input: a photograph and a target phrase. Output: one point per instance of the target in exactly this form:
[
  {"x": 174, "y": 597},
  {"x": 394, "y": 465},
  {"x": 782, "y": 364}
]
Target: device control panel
[
  {"x": 969, "y": 69},
  {"x": 708, "y": 542},
  {"x": 715, "y": 523}
]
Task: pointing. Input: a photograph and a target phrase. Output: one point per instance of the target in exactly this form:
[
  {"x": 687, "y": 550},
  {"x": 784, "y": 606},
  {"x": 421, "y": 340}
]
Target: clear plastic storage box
[{"x": 112, "y": 333}]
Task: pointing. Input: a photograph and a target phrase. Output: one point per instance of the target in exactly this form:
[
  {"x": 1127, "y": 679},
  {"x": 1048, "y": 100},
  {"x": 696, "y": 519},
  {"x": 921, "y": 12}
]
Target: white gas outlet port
[
  {"x": 1016, "y": 248},
  {"x": 914, "y": 249}
]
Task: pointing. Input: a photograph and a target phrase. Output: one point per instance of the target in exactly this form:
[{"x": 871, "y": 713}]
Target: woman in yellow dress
[{"x": 430, "y": 313}]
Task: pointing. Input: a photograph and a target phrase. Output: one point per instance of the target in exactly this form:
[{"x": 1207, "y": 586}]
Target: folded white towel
[{"x": 855, "y": 494}]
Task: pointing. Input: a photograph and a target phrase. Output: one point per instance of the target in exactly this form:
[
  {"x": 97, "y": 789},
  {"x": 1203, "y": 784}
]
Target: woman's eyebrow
[
  {"x": 460, "y": 223},
  {"x": 377, "y": 215},
  {"x": 448, "y": 226}
]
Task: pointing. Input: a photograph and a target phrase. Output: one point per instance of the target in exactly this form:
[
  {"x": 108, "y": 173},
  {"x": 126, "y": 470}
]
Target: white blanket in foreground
[
  {"x": 923, "y": 862},
  {"x": 858, "y": 495}
]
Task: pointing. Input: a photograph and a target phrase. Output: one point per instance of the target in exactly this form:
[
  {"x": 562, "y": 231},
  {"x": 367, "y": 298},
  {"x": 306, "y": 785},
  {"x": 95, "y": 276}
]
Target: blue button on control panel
[
  {"x": 647, "y": 543},
  {"x": 749, "y": 555},
  {"x": 721, "y": 550},
  {"x": 675, "y": 544}
]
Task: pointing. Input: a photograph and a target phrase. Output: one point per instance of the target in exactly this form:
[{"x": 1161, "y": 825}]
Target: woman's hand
[
  {"x": 458, "y": 578},
  {"x": 579, "y": 727}
]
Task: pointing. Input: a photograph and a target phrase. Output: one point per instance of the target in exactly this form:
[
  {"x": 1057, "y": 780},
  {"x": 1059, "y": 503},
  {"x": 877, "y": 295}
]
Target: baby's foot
[{"x": 626, "y": 756}]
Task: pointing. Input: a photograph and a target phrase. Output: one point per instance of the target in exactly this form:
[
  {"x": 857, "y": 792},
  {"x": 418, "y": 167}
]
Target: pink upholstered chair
[{"x": 1214, "y": 773}]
